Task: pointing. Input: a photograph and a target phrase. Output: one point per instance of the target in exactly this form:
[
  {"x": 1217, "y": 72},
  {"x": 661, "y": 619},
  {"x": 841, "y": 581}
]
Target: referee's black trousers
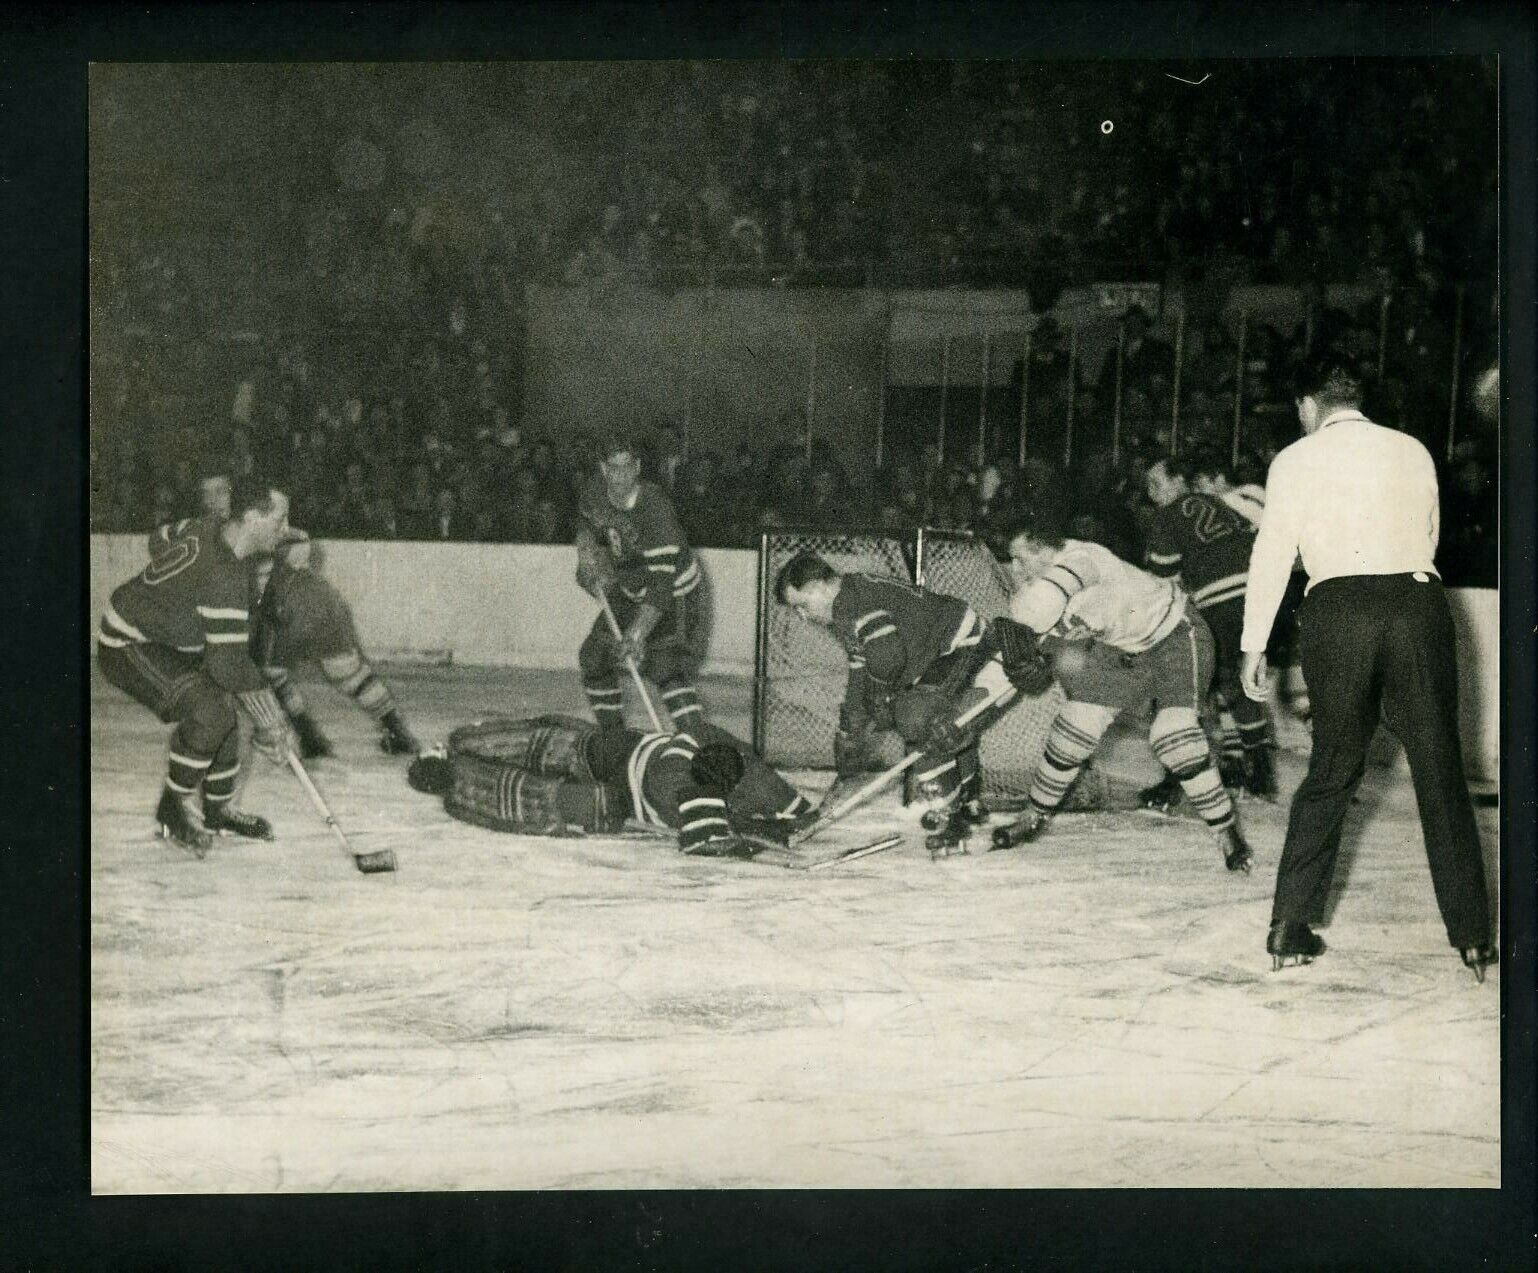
[{"x": 1371, "y": 643}]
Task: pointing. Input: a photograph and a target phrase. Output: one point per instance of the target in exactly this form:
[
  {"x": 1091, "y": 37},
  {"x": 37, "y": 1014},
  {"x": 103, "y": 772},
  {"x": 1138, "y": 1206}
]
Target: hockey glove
[
  {"x": 944, "y": 737},
  {"x": 271, "y": 733},
  {"x": 1025, "y": 663}
]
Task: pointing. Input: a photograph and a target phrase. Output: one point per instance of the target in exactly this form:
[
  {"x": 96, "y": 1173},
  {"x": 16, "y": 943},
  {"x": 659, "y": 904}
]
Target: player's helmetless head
[
  {"x": 259, "y": 517},
  {"x": 620, "y": 463},
  {"x": 214, "y": 495},
  {"x": 809, "y": 586},
  {"x": 1037, "y": 537},
  {"x": 1164, "y": 483}
]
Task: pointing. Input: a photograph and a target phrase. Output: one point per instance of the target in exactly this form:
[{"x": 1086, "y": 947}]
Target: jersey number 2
[
  {"x": 1207, "y": 522},
  {"x": 173, "y": 562}
]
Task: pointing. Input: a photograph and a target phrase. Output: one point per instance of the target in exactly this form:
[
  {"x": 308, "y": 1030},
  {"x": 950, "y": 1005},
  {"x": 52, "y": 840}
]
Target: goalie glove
[
  {"x": 271, "y": 732},
  {"x": 1025, "y": 663}
]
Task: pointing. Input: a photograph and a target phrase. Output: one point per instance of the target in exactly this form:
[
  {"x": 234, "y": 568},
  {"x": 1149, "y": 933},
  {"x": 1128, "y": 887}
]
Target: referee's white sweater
[{"x": 1354, "y": 498}]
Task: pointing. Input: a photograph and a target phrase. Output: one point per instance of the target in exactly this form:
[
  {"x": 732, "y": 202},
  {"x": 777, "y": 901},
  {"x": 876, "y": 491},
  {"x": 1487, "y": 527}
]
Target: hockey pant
[
  {"x": 1251, "y": 720},
  {"x": 205, "y": 745},
  {"x": 673, "y": 656},
  {"x": 1102, "y": 682},
  {"x": 943, "y": 692}
]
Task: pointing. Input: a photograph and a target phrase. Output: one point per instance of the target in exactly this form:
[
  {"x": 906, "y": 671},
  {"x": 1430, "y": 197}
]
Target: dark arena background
[{"x": 830, "y": 298}]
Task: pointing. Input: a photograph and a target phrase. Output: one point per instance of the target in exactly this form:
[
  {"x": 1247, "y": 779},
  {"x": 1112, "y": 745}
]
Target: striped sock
[
  {"x": 1184, "y": 752},
  {"x": 605, "y": 702},
  {"x": 287, "y": 691},
  {"x": 683, "y": 704},
  {"x": 1068, "y": 747},
  {"x": 223, "y": 771},
  {"x": 186, "y": 768},
  {"x": 354, "y": 676}
]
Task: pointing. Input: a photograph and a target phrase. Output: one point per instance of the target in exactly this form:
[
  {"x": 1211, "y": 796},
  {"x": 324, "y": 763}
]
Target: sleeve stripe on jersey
[
  {"x": 1049, "y": 579},
  {"x": 872, "y": 617},
  {"x": 661, "y": 552},
  {"x": 688, "y": 753},
  {"x": 1070, "y": 572},
  {"x": 663, "y": 570},
  {"x": 213, "y": 612},
  {"x": 228, "y": 638},
  {"x": 1163, "y": 559},
  {"x": 714, "y": 802},
  {"x": 694, "y": 824},
  {"x": 886, "y": 629}
]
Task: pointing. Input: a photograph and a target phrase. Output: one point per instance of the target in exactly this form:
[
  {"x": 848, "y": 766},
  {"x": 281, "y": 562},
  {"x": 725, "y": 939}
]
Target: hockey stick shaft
[
  {"x": 368, "y": 863},
  {"x": 630, "y": 664},
  {"x": 875, "y": 846},
  {"x": 896, "y": 771},
  {"x": 319, "y": 802}
]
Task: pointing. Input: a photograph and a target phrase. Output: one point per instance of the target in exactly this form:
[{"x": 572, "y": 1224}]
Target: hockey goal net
[{"x": 801, "y": 669}]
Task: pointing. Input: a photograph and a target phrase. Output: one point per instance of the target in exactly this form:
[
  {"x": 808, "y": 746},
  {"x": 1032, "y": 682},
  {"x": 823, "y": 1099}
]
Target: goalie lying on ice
[{"x": 557, "y": 775}]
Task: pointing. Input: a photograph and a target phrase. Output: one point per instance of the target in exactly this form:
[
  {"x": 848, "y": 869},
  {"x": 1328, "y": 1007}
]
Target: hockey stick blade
[
  {"x": 375, "y": 863},
  {"x": 849, "y": 855}
]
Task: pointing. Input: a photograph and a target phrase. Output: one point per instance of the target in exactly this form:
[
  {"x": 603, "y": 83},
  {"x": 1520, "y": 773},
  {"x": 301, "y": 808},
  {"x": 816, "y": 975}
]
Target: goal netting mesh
[{"x": 802, "y": 669}]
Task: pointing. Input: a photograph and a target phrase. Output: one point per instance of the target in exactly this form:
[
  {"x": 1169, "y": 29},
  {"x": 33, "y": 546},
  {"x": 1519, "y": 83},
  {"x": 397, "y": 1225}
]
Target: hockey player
[
  {"x": 556, "y": 774},
  {"x": 1206, "y": 543},
  {"x": 628, "y": 536},
  {"x": 176, "y": 637},
  {"x": 1120, "y": 639},
  {"x": 301, "y": 618},
  {"x": 913, "y": 654}
]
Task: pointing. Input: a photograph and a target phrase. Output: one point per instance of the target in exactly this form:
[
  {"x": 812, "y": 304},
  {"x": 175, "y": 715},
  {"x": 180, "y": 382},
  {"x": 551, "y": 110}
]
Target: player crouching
[
  {"x": 1120, "y": 639},
  {"x": 557, "y": 775},
  {"x": 176, "y": 638}
]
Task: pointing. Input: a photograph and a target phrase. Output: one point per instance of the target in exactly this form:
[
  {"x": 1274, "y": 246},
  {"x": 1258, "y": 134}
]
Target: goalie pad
[{"x": 530, "y": 776}]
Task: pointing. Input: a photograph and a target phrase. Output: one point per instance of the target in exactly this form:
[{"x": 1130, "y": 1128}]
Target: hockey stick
[
  {"x": 901, "y": 767},
  {"x": 849, "y": 855},
  {"x": 635, "y": 672},
  {"x": 368, "y": 863}
]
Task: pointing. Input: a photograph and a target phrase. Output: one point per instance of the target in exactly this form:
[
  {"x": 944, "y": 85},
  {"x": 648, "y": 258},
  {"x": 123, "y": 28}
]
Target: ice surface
[{"x": 521, "y": 1013}]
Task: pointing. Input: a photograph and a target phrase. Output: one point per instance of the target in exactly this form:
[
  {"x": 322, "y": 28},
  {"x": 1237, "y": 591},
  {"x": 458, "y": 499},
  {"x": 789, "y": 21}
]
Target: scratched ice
[{"x": 524, "y": 1013}]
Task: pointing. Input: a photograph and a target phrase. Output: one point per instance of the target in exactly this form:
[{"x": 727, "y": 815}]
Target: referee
[{"x": 1359, "y": 502}]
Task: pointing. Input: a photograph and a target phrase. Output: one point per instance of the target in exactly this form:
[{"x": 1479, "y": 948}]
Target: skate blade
[
  {"x": 377, "y": 863},
  {"x": 163, "y": 832},
  {"x": 1278, "y": 962}
]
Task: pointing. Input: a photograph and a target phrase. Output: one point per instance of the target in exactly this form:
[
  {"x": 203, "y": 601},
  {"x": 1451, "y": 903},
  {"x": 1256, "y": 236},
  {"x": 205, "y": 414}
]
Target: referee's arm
[{"x": 1276, "y": 548}]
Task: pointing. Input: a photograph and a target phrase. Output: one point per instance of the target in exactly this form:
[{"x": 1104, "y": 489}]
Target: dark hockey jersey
[
  {"x": 892, "y": 631},
  {"x": 193, "y": 596},
  {"x": 652, "y": 558},
  {"x": 664, "y": 794},
  {"x": 1205, "y": 541}
]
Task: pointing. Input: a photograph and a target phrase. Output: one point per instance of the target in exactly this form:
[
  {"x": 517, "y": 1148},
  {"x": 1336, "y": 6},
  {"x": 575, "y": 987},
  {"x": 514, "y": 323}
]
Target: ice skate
[
  {"x": 1292, "y": 943},
  {"x": 221, "y": 819},
  {"x": 396, "y": 739},
  {"x": 1237, "y": 855},
  {"x": 1478, "y": 958},
  {"x": 1029, "y": 826},
  {"x": 1162, "y": 797},
  {"x": 177, "y": 823},
  {"x": 313, "y": 745},
  {"x": 948, "y": 830}
]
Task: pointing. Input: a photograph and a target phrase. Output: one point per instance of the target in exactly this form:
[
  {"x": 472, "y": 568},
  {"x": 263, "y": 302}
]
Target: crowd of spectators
[{"x": 367, "y": 343}]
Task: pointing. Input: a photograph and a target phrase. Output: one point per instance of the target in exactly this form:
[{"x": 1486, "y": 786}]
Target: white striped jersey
[
  {"x": 652, "y": 559},
  {"x": 1089, "y": 593},
  {"x": 1207, "y": 542},
  {"x": 194, "y": 596}
]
